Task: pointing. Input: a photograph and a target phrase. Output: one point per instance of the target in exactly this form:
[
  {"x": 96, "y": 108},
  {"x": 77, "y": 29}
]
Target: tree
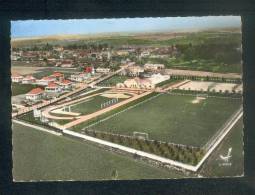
[{"x": 114, "y": 174}]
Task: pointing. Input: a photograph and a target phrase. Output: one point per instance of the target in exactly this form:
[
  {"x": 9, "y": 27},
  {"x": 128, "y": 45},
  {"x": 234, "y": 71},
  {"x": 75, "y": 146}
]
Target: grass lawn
[
  {"x": 90, "y": 105},
  {"x": 41, "y": 156},
  {"x": 173, "y": 118},
  {"x": 18, "y": 89},
  {"x": 114, "y": 80},
  {"x": 213, "y": 166}
]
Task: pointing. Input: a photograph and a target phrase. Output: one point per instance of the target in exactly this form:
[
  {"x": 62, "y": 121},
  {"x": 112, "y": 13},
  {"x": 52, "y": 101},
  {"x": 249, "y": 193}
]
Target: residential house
[
  {"x": 16, "y": 78},
  {"x": 153, "y": 67},
  {"x": 29, "y": 79},
  {"x": 65, "y": 84},
  {"x": 103, "y": 70},
  {"x": 79, "y": 77},
  {"x": 58, "y": 76},
  {"x": 53, "y": 87},
  {"x": 35, "y": 94},
  {"x": 46, "y": 80}
]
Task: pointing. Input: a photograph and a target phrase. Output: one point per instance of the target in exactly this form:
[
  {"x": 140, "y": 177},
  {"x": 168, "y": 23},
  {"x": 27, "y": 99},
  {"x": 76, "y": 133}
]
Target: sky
[{"x": 32, "y": 28}]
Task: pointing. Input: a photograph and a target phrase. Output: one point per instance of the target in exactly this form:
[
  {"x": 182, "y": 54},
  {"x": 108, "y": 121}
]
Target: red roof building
[
  {"x": 35, "y": 91},
  {"x": 59, "y": 76},
  {"x": 66, "y": 84},
  {"x": 88, "y": 69},
  {"x": 52, "y": 87},
  {"x": 16, "y": 78},
  {"x": 29, "y": 79},
  {"x": 35, "y": 94}
]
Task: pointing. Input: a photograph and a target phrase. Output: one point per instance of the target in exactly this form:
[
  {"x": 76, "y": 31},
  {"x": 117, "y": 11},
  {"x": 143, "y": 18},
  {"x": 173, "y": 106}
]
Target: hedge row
[{"x": 185, "y": 154}]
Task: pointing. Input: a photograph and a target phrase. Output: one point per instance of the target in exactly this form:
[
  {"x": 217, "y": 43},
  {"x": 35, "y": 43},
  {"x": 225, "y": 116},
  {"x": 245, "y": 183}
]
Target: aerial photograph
[{"x": 127, "y": 98}]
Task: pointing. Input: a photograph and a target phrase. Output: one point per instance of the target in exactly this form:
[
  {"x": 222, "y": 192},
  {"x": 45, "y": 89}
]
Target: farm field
[
  {"x": 173, "y": 118},
  {"x": 214, "y": 167},
  {"x": 61, "y": 158}
]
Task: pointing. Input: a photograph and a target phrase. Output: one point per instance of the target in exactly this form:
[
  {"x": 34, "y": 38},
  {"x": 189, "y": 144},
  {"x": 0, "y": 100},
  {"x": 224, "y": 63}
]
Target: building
[
  {"x": 67, "y": 64},
  {"x": 145, "y": 54},
  {"x": 122, "y": 53},
  {"x": 88, "y": 69},
  {"x": 46, "y": 80},
  {"x": 158, "y": 78},
  {"x": 53, "y": 87},
  {"x": 35, "y": 94},
  {"x": 16, "y": 78},
  {"x": 138, "y": 83},
  {"x": 79, "y": 77},
  {"x": 134, "y": 71},
  {"x": 58, "y": 76},
  {"x": 154, "y": 67},
  {"x": 29, "y": 79},
  {"x": 103, "y": 70},
  {"x": 65, "y": 84}
]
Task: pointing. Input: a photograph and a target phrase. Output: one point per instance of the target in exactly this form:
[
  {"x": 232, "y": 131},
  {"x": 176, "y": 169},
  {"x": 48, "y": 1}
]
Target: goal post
[{"x": 140, "y": 135}]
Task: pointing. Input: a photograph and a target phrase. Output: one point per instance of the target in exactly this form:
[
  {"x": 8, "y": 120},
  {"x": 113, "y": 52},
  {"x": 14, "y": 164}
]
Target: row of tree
[{"x": 185, "y": 154}]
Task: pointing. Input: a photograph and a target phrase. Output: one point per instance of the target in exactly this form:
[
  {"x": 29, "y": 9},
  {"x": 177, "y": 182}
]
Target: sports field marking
[
  {"x": 198, "y": 100},
  {"x": 109, "y": 117},
  {"x": 86, "y": 100},
  {"x": 63, "y": 112},
  {"x": 115, "y": 95}
]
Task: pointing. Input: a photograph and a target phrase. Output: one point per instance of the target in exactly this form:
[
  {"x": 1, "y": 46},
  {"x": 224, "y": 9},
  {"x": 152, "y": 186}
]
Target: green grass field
[
  {"x": 90, "y": 105},
  {"x": 173, "y": 118},
  {"x": 114, "y": 80},
  {"x": 41, "y": 156},
  {"x": 18, "y": 89},
  {"x": 213, "y": 166}
]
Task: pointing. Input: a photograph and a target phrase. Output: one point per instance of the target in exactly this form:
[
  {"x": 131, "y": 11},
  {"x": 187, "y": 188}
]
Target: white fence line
[
  {"x": 36, "y": 127},
  {"x": 141, "y": 153},
  {"x": 218, "y": 141},
  {"x": 131, "y": 150}
]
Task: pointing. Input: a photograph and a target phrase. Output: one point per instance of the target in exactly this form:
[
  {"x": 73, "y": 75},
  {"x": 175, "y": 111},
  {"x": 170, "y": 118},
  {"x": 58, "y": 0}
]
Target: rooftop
[{"x": 35, "y": 91}]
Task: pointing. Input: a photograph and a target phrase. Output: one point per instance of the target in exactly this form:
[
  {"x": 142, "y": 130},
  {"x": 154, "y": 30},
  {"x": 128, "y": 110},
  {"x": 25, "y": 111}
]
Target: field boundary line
[
  {"x": 115, "y": 114},
  {"x": 131, "y": 150},
  {"x": 228, "y": 128},
  {"x": 36, "y": 127},
  {"x": 210, "y": 96}
]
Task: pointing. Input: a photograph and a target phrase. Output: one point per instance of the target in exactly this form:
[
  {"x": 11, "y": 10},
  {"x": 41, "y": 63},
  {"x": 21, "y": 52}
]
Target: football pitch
[
  {"x": 62, "y": 158},
  {"x": 173, "y": 118}
]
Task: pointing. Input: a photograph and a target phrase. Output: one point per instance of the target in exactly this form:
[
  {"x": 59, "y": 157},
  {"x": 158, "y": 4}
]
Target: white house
[
  {"x": 65, "y": 84},
  {"x": 158, "y": 78},
  {"x": 35, "y": 94},
  {"x": 135, "y": 71},
  {"x": 16, "y": 78},
  {"x": 154, "y": 67},
  {"x": 103, "y": 70},
  {"x": 138, "y": 83},
  {"x": 53, "y": 87},
  {"x": 46, "y": 80},
  {"x": 29, "y": 79},
  {"x": 80, "y": 77}
]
